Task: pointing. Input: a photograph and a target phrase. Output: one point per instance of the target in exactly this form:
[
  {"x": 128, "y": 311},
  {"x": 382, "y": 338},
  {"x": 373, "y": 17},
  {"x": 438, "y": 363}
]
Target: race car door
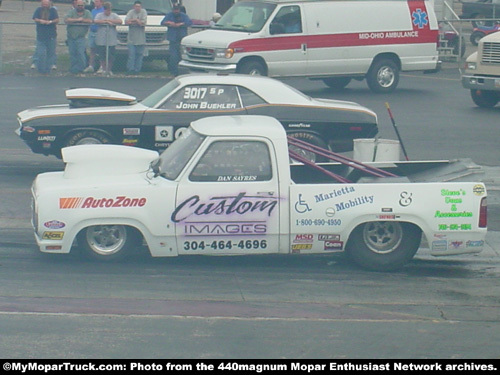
[{"x": 228, "y": 202}]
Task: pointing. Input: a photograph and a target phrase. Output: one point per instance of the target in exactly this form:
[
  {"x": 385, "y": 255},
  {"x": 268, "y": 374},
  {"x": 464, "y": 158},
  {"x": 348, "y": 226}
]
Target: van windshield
[
  {"x": 153, "y": 7},
  {"x": 246, "y": 17}
]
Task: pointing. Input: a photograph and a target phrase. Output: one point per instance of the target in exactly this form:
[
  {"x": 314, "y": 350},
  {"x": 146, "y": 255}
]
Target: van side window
[
  {"x": 234, "y": 161},
  {"x": 287, "y": 21},
  {"x": 203, "y": 98}
]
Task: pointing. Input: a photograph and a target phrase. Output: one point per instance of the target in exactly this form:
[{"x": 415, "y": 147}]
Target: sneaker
[
  {"x": 33, "y": 66},
  {"x": 89, "y": 69},
  {"x": 54, "y": 67},
  {"x": 100, "y": 71}
]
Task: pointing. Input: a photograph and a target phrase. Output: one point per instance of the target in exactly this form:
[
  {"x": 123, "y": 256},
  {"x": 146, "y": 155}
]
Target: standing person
[
  {"x": 177, "y": 23},
  {"x": 136, "y": 20},
  {"x": 78, "y": 20},
  {"x": 46, "y": 19},
  {"x": 98, "y": 8},
  {"x": 107, "y": 37}
]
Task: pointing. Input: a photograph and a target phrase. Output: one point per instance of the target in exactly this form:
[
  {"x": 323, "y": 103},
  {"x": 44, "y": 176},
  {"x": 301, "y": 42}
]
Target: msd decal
[{"x": 91, "y": 202}]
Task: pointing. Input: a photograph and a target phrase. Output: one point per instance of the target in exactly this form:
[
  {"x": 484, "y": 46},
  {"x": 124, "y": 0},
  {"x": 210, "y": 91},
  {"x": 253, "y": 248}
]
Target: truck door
[
  {"x": 289, "y": 53},
  {"x": 228, "y": 200}
]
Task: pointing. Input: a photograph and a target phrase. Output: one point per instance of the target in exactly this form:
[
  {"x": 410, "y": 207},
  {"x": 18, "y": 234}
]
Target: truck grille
[
  {"x": 151, "y": 38},
  {"x": 200, "y": 53},
  {"x": 491, "y": 53}
]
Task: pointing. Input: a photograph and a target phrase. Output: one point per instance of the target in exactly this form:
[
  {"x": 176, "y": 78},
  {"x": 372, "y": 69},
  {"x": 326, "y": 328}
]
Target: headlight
[
  {"x": 470, "y": 65},
  {"x": 226, "y": 53}
]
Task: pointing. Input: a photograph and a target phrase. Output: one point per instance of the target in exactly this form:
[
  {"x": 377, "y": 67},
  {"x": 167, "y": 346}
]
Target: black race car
[{"x": 102, "y": 116}]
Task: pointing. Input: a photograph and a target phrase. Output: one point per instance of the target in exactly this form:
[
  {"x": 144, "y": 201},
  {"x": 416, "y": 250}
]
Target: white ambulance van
[{"x": 331, "y": 40}]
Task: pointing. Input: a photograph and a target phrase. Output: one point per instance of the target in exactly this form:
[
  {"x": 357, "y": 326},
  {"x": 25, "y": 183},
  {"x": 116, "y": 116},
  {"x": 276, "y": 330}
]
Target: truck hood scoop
[
  {"x": 86, "y": 161},
  {"x": 86, "y": 97}
]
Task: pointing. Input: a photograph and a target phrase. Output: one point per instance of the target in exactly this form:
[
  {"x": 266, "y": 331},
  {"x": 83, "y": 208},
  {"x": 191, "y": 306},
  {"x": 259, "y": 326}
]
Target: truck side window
[
  {"x": 234, "y": 161},
  {"x": 204, "y": 98},
  {"x": 287, "y": 21}
]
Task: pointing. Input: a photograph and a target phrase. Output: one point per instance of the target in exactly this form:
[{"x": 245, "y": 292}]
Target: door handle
[{"x": 266, "y": 192}]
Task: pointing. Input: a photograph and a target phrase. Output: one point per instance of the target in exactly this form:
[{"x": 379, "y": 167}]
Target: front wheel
[
  {"x": 253, "y": 68},
  {"x": 484, "y": 98},
  {"x": 383, "y": 245},
  {"x": 383, "y": 76},
  {"x": 108, "y": 242},
  {"x": 87, "y": 137}
]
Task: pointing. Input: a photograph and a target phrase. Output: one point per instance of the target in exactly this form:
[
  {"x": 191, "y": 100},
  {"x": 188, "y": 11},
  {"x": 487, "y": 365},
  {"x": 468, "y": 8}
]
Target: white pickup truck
[{"x": 227, "y": 187}]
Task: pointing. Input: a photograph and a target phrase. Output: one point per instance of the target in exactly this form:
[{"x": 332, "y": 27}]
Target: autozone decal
[{"x": 91, "y": 202}]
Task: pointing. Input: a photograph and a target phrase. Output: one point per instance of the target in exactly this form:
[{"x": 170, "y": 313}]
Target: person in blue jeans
[
  {"x": 136, "y": 20},
  {"x": 177, "y": 23},
  {"x": 46, "y": 19},
  {"x": 78, "y": 20}
]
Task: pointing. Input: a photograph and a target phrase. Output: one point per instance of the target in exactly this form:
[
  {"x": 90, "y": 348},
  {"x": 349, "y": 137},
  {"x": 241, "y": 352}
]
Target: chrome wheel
[
  {"x": 382, "y": 237},
  {"x": 106, "y": 240}
]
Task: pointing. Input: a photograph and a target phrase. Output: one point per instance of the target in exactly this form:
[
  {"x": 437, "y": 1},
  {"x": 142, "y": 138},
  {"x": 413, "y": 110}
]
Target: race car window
[
  {"x": 234, "y": 161},
  {"x": 204, "y": 98},
  {"x": 249, "y": 98}
]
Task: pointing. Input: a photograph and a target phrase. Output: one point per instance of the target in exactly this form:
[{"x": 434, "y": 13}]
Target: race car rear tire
[
  {"x": 337, "y": 83},
  {"x": 484, "y": 98},
  {"x": 87, "y": 137},
  {"x": 383, "y": 245},
  {"x": 312, "y": 139},
  {"x": 383, "y": 76},
  {"x": 108, "y": 242}
]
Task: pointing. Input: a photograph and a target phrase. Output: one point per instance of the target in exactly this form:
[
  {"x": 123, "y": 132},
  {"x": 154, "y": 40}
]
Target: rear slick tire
[{"x": 383, "y": 245}]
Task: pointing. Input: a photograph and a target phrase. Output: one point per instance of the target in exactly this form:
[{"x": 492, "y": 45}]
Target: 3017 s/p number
[{"x": 225, "y": 245}]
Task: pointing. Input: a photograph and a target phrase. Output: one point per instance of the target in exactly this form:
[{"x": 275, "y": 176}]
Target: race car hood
[
  {"x": 86, "y": 97},
  {"x": 87, "y": 161}
]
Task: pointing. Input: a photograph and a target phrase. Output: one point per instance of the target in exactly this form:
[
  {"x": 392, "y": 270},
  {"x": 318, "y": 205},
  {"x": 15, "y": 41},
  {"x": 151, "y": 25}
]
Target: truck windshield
[
  {"x": 246, "y": 16},
  {"x": 153, "y": 7},
  {"x": 173, "y": 160}
]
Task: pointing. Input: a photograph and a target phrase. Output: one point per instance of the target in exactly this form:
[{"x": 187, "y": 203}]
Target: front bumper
[
  {"x": 203, "y": 67},
  {"x": 481, "y": 82}
]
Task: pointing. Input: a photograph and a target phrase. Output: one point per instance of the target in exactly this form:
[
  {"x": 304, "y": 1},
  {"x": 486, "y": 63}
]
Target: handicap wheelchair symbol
[{"x": 301, "y": 206}]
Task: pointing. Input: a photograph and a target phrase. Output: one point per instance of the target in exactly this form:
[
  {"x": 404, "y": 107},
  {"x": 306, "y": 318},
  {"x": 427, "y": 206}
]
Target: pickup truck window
[
  {"x": 234, "y": 161},
  {"x": 203, "y": 98},
  {"x": 174, "y": 159}
]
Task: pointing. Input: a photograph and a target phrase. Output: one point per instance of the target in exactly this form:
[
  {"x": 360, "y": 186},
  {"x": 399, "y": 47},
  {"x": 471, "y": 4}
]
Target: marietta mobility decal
[{"x": 91, "y": 202}]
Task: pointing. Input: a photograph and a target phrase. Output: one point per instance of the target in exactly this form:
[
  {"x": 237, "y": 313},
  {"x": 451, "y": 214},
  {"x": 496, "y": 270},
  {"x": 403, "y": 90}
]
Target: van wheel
[
  {"x": 253, "y": 68},
  {"x": 484, "y": 98},
  {"x": 383, "y": 76},
  {"x": 312, "y": 139},
  {"x": 87, "y": 137},
  {"x": 337, "y": 83},
  {"x": 108, "y": 242},
  {"x": 383, "y": 245}
]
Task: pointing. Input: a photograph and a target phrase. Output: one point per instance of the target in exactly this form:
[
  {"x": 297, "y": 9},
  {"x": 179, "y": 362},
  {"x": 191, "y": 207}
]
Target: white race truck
[{"x": 227, "y": 187}]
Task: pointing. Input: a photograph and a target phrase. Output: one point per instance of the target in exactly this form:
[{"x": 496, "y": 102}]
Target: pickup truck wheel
[
  {"x": 476, "y": 36},
  {"x": 337, "y": 83},
  {"x": 383, "y": 76},
  {"x": 484, "y": 98},
  {"x": 87, "y": 137},
  {"x": 383, "y": 245},
  {"x": 312, "y": 139},
  {"x": 253, "y": 68},
  {"x": 108, "y": 242}
]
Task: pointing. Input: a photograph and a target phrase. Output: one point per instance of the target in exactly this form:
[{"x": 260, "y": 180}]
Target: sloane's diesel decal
[
  {"x": 91, "y": 202},
  {"x": 239, "y": 204}
]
